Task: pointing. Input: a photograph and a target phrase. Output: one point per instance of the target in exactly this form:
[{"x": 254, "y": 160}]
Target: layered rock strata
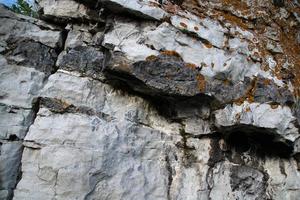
[{"x": 150, "y": 99}]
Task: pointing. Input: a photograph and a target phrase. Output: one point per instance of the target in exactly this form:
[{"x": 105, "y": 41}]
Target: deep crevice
[{"x": 260, "y": 142}]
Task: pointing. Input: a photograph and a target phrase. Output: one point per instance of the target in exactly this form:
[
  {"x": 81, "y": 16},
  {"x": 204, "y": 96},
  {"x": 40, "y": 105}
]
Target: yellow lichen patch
[
  {"x": 151, "y": 58},
  {"x": 201, "y": 82},
  {"x": 170, "y": 53},
  {"x": 191, "y": 65}
]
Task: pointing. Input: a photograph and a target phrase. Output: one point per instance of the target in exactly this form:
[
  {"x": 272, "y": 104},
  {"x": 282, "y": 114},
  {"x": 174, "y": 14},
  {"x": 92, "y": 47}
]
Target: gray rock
[
  {"x": 145, "y": 9},
  {"x": 10, "y": 157},
  {"x": 99, "y": 155},
  {"x": 19, "y": 85},
  {"x": 277, "y": 119},
  {"x": 16, "y": 27},
  {"x": 192, "y": 104},
  {"x": 14, "y": 122},
  {"x": 248, "y": 183},
  {"x": 65, "y": 10},
  {"x": 25, "y": 53},
  {"x": 85, "y": 60}
]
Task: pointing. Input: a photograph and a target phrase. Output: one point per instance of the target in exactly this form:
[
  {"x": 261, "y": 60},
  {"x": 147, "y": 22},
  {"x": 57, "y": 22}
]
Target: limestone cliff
[{"x": 151, "y": 99}]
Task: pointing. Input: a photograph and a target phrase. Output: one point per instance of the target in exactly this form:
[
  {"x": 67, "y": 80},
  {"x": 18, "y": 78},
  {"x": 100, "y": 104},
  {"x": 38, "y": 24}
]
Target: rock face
[{"x": 150, "y": 99}]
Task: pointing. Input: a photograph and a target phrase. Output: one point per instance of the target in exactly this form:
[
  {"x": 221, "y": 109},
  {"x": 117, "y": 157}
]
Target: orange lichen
[
  {"x": 170, "y": 53},
  {"x": 249, "y": 95},
  {"x": 267, "y": 81},
  {"x": 237, "y": 4},
  {"x": 234, "y": 20},
  {"x": 208, "y": 45},
  {"x": 191, "y": 65},
  {"x": 292, "y": 50},
  {"x": 201, "y": 82},
  {"x": 183, "y": 25}
]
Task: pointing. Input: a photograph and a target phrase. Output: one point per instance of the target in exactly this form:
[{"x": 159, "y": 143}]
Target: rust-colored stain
[
  {"x": 201, "y": 82},
  {"x": 151, "y": 58},
  {"x": 267, "y": 81},
  {"x": 234, "y": 19},
  {"x": 208, "y": 45},
  {"x": 248, "y": 109},
  {"x": 191, "y": 65},
  {"x": 238, "y": 116},
  {"x": 255, "y": 18},
  {"x": 249, "y": 95},
  {"x": 226, "y": 82},
  {"x": 183, "y": 25},
  {"x": 237, "y": 4},
  {"x": 170, "y": 53},
  {"x": 291, "y": 49}
]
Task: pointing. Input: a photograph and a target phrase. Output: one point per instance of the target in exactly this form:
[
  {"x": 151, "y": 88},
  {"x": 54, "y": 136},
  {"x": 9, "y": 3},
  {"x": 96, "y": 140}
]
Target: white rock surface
[
  {"x": 279, "y": 119},
  {"x": 144, "y": 8},
  {"x": 89, "y": 136},
  {"x": 20, "y": 85},
  {"x": 101, "y": 159},
  {"x": 67, "y": 9},
  {"x": 10, "y": 155},
  {"x": 14, "y": 121},
  {"x": 13, "y": 28}
]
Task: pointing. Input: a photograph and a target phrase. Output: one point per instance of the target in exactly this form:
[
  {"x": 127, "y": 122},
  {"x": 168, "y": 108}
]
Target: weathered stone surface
[
  {"x": 25, "y": 53},
  {"x": 85, "y": 60},
  {"x": 10, "y": 156},
  {"x": 19, "y": 85},
  {"x": 14, "y": 122},
  {"x": 279, "y": 119},
  {"x": 93, "y": 155},
  {"x": 14, "y": 28},
  {"x": 151, "y": 99},
  {"x": 66, "y": 10},
  {"x": 146, "y": 8}
]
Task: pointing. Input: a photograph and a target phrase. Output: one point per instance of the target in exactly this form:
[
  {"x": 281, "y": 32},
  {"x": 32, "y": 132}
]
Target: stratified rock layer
[{"x": 150, "y": 99}]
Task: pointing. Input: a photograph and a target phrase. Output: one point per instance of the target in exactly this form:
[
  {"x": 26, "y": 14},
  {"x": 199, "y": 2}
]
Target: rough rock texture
[{"x": 151, "y": 99}]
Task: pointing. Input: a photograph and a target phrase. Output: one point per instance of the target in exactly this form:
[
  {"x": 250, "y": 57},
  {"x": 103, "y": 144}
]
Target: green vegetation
[{"x": 22, "y": 7}]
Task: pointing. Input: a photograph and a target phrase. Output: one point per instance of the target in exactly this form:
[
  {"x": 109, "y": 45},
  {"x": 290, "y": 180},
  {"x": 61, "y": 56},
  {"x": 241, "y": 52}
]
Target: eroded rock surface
[{"x": 150, "y": 99}]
